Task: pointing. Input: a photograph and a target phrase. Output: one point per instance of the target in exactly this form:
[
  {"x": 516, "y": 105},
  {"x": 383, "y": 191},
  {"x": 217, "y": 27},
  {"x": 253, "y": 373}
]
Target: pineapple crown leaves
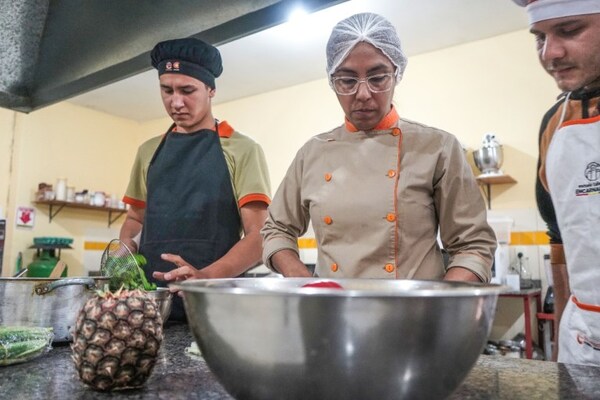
[{"x": 108, "y": 293}]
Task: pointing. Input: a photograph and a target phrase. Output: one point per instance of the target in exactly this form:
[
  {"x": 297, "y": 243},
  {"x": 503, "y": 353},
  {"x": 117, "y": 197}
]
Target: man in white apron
[{"x": 568, "y": 40}]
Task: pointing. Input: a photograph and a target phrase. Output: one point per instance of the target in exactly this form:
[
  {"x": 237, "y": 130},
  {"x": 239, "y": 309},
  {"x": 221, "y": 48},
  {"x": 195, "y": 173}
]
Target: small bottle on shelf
[{"x": 61, "y": 189}]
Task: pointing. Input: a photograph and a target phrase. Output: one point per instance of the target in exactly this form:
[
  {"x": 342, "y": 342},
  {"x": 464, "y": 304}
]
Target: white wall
[{"x": 490, "y": 85}]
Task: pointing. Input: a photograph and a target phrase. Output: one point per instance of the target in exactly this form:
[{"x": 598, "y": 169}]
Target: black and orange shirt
[{"x": 245, "y": 161}]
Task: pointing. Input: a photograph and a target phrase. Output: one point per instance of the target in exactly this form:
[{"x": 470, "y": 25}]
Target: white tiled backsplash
[
  {"x": 509, "y": 317},
  {"x": 527, "y": 220}
]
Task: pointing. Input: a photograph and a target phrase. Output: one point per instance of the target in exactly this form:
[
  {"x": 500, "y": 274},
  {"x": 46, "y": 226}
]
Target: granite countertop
[{"x": 179, "y": 375}]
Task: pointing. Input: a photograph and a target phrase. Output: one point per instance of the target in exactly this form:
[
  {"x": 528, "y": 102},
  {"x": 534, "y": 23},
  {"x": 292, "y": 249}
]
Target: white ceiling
[{"x": 294, "y": 52}]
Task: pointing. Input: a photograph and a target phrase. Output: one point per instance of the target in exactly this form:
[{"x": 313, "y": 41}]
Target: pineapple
[{"x": 116, "y": 339}]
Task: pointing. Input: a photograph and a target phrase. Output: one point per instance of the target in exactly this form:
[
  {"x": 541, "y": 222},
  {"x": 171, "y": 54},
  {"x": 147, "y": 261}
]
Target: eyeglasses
[{"x": 347, "y": 85}]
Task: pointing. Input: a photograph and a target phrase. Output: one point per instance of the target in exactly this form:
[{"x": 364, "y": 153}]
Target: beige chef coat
[{"x": 376, "y": 214}]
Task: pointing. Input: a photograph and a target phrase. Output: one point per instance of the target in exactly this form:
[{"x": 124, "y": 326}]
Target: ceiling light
[{"x": 297, "y": 14}]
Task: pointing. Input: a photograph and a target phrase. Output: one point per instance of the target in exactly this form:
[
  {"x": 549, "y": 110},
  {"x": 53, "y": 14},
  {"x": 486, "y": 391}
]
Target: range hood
[{"x": 51, "y": 50}]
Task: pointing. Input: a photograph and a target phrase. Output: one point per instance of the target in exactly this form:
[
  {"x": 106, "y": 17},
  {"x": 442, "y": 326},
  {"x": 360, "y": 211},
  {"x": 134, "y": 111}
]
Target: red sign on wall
[{"x": 25, "y": 216}]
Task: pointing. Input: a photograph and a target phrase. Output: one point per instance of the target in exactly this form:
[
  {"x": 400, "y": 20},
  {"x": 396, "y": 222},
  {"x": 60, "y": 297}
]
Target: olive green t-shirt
[{"x": 245, "y": 161}]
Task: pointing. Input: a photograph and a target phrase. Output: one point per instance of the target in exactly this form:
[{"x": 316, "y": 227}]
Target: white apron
[{"x": 573, "y": 174}]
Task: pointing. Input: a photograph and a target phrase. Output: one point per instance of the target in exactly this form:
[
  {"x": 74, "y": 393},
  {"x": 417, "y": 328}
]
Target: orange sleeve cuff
[
  {"x": 242, "y": 202},
  {"x": 134, "y": 202},
  {"x": 249, "y": 198}
]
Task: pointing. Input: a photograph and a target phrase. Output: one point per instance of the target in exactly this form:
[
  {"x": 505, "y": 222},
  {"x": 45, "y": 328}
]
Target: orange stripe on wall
[
  {"x": 524, "y": 238},
  {"x": 516, "y": 239},
  {"x": 303, "y": 243},
  {"x": 307, "y": 243},
  {"x": 532, "y": 238},
  {"x": 94, "y": 245}
]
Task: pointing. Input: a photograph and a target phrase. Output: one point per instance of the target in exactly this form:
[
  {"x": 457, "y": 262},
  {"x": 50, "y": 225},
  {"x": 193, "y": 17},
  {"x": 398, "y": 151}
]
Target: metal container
[
  {"x": 488, "y": 159},
  {"x": 270, "y": 338},
  {"x": 164, "y": 300},
  {"x": 46, "y": 302}
]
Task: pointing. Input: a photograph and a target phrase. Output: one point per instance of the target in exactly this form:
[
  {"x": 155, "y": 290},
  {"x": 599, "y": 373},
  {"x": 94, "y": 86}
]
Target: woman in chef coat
[{"x": 378, "y": 187}]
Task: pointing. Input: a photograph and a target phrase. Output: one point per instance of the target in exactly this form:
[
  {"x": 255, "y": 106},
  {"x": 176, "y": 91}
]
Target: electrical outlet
[
  {"x": 529, "y": 259},
  {"x": 520, "y": 249},
  {"x": 514, "y": 258}
]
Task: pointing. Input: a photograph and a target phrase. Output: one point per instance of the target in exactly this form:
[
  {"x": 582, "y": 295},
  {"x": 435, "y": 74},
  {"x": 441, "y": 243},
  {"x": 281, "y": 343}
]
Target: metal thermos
[{"x": 549, "y": 301}]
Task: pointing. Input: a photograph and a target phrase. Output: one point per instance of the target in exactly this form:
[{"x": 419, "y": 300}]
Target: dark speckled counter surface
[{"x": 178, "y": 375}]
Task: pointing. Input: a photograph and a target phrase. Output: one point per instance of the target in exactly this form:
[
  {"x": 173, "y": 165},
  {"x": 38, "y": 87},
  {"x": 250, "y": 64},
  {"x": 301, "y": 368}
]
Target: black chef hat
[{"x": 188, "y": 56}]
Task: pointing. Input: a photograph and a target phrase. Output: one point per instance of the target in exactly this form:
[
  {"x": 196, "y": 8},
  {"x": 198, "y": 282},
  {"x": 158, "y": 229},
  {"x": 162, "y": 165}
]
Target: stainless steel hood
[{"x": 51, "y": 50}]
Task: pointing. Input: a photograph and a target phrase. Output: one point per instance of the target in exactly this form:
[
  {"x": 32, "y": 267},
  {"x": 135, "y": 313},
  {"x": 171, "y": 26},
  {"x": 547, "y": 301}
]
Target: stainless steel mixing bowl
[{"x": 269, "y": 338}]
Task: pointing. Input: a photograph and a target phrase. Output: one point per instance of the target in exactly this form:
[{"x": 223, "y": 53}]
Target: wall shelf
[
  {"x": 56, "y": 206},
  {"x": 486, "y": 181}
]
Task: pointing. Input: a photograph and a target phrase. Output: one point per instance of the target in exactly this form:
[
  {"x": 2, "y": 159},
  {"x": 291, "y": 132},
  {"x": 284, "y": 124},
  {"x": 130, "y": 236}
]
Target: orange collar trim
[
  {"x": 225, "y": 130},
  {"x": 388, "y": 122}
]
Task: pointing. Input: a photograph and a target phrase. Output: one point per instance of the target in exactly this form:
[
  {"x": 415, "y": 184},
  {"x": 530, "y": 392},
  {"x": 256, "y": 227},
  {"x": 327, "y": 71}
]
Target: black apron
[{"x": 191, "y": 209}]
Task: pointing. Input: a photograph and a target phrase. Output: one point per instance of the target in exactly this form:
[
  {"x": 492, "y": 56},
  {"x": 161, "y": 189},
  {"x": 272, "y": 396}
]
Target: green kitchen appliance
[{"x": 47, "y": 255}]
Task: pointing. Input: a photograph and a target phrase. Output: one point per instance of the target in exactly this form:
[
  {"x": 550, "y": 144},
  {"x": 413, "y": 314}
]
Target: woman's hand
[{"x": 289, "y": 265}]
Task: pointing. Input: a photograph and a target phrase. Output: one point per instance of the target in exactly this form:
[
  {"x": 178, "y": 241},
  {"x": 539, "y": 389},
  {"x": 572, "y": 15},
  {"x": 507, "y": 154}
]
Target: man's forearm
[
  {"x": 244, "y": 255},
  {"x": 130, "y": 229}
]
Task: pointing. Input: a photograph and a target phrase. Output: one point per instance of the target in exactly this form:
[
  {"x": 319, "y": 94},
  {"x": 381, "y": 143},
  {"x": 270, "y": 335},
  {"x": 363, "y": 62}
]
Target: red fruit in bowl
[{"x": 323, "y": 284}]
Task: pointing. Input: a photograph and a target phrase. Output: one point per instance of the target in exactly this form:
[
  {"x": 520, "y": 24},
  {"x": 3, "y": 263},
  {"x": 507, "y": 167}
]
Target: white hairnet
[{"x": 364, "y": 27}]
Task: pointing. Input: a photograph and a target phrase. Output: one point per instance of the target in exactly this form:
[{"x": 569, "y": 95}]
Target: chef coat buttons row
[
  {"x": 388, "y": 267},
  {"x": 391, "y": 174},
  {"x": 390, "y": 217}
]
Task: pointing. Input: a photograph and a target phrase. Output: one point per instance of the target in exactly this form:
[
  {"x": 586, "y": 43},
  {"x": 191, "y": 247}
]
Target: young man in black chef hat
[{"x": 196, "y": 188}]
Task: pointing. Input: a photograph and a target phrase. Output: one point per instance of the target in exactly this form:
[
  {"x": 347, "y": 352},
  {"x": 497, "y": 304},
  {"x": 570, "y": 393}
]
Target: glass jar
[
  {"x": 71, "y": 193},
  {"x": 524, "y": 272},
  {"x": 61, "y": 189}
]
